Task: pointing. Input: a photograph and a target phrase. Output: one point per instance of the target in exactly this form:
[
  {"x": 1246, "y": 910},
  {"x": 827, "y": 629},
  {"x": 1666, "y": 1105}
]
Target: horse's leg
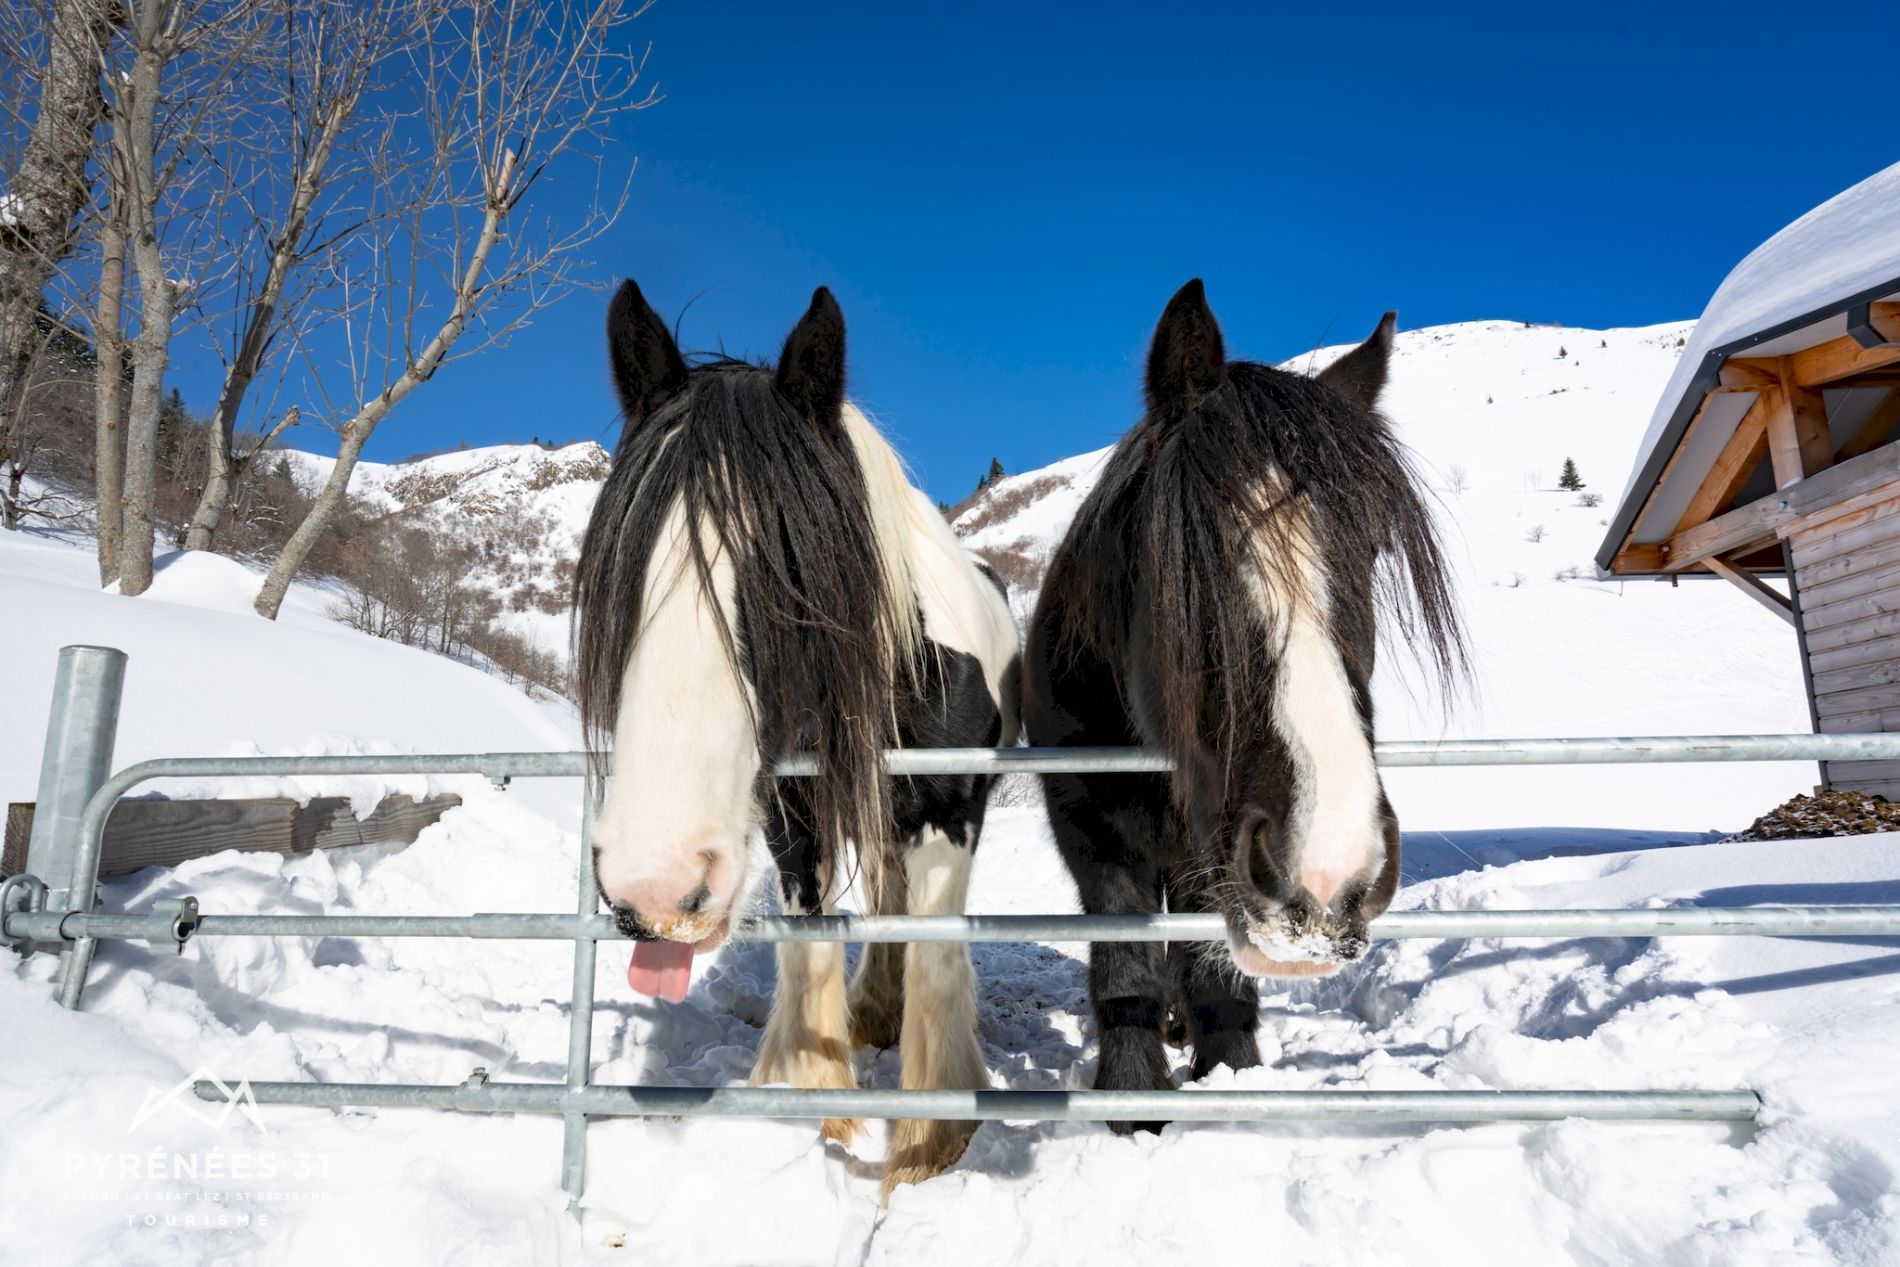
[
  {"x": 877, "y": 988},
  {"x": 807, "y": 1040},
  {"x": 939, "y": 1045},
  {"x": 1220, "y": 1006},
  {"x": 1115, "y": 858}
]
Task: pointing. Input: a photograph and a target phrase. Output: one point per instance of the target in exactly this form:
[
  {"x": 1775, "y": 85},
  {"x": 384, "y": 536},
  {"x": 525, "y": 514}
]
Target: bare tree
[
  {"x": 170, "y": 98},
  {"x": 504, "y": 89},
  {"x": 48, "y": 397},
  {"x": 45, "y": 186},
  {"x": 296, "y": 181},
  {"x": 108, "y": 408},
  {"x": 1457, "y": 478}
]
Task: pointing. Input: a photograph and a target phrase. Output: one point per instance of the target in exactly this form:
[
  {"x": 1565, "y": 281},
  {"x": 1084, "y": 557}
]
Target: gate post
[
  {"x": 81, "y": 731},
  {"x": 580, "y": 1033}
]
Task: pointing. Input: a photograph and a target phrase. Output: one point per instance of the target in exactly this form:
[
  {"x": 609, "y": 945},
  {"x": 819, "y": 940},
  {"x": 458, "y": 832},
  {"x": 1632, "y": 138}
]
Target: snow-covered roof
[{"x": 1791, "y": 292}]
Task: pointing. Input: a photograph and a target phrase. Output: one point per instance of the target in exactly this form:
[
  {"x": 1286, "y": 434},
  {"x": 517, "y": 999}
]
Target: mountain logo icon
[{"x": 213, "y": 1112}]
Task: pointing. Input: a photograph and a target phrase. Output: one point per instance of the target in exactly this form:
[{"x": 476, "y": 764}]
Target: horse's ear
[
  {"x": 1188, "y": 356},
  {"x": 811, "y": 368},
  {"x": 646, "y": 362},
  {"x": 1359, "y": 375}
]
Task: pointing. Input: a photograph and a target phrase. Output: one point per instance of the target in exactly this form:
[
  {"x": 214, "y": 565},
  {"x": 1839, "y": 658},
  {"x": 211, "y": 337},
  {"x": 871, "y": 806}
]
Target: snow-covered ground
[{"x": 1812, "y": 1024}]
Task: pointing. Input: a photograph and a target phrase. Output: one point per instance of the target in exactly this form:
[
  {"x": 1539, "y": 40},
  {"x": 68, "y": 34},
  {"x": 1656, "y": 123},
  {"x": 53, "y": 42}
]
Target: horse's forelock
[
  {"x": 1272, "y": 481},
  {"x": 827, "y": 622}
]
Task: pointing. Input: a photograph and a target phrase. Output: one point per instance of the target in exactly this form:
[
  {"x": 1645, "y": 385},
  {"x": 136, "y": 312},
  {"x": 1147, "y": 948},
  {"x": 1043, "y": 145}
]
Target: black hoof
[{"x": 1129, "y": 1128}]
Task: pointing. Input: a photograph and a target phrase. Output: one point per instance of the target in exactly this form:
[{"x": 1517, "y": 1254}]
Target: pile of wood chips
[{"x": 1834, "y": 813}]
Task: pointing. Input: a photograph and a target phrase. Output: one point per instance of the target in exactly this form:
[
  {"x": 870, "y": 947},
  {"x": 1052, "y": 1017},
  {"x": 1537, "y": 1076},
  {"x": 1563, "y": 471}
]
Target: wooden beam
[
  {"x": 1828, "y": 363},
  {"x": 1733, "y": 466},
  {"x": 1841, "y": 516},
  {"x": 1753, "y": 586},
  {"x": 1638, "y": 558},
  {"x": 166, "y": 833},
  {"x": 1798, "y": 441},
  {"x": 1834, "y": 360},
  {"x": 1759, "y": 520},
  {"x": 1741, "y": 375}
]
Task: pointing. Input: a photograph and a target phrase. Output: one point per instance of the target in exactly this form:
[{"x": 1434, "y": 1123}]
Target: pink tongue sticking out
[{"x": 661, "y": 969}]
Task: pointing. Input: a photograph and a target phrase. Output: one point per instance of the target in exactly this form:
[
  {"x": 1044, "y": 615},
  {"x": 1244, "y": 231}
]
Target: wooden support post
[
  {"x": 1798, "y": 441},
  {"x": 1753, "y": 586}
]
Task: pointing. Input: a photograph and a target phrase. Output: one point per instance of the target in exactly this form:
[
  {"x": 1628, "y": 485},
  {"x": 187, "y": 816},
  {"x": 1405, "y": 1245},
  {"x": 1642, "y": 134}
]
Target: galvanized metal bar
[
  {"x": 1643, "y": 750},
  {"x": 76, "y": 962},
  {"x": 1007, "y": 1106},
  {"x": 580, "y": 1031},
  {"x": 81, "y": 732},
  {"x": 82, "y": 729},
  {"x": 1686, "y": 921}
]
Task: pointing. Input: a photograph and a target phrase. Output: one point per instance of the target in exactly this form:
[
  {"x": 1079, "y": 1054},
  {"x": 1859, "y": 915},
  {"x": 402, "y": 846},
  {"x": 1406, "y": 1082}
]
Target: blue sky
[{"x": 1004, "y": 195}]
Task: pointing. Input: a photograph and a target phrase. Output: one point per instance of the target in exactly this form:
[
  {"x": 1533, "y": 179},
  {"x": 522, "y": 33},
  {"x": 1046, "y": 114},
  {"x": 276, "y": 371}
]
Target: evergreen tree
[
  {"x": 1570, "y": 481},
  {"x": 172, "y": 423},
  {"x": 996, "y": 473}
]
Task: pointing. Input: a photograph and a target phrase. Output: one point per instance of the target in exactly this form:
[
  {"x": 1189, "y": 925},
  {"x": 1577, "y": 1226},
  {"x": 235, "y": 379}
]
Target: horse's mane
[
  {"x": 827, "y": 623},
  {"x": 1265, "y": 476}
]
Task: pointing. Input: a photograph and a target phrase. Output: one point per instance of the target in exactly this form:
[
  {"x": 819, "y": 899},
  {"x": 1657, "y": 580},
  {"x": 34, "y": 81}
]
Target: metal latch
[
  {"x": 184, "y": 924},
  {"x": 19, "y": 894}
]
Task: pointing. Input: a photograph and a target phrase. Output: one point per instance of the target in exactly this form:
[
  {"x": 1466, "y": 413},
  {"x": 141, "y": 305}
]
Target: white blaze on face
[
  {"x": 680, "y": 810},
  {"x": 1334, "y": 818}
]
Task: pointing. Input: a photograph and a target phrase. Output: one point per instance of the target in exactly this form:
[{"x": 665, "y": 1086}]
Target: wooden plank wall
[
  {"x": 1847, "y": 570},
  {"x": 166, "y": 833}
]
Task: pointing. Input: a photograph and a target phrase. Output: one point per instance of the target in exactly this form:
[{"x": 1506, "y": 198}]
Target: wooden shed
[{"x": 1775, "y": 451}]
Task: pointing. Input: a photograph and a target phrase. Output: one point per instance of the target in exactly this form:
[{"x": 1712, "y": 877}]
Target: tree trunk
[
  {"x": 223, "y": 469},
  {"x": 10, "y": 504},
  {"x": 108, "y": 462},
  {"x": 271, "y": 597},
  {"x": 152, "y": 349},
  {"x": 51, "y": 186},
  {"x": 357, "y": 432}
]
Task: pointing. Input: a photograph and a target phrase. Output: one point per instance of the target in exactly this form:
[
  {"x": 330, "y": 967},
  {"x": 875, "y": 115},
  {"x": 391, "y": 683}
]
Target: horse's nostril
[{"x": 695, "y": 902}]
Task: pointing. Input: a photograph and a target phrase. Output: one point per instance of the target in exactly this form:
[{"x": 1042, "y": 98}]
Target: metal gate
[{"x": 77, "y": 795}]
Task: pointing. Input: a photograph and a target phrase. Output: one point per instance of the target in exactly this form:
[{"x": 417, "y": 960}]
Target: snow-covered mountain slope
[
  {"x": 524, "y": 507},
  {"x": 1490, "y": 411}
]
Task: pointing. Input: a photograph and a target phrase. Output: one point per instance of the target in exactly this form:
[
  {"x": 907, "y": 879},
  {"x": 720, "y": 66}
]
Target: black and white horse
[
  {"x": 1217, "y": 597},
  {"x": 759, "y": 578}
]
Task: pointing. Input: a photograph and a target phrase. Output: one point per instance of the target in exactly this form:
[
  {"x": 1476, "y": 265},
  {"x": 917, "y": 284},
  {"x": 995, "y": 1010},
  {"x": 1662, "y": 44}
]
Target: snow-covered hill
[
  {"x": 1490, "y": 411},
  {"x": 524, "y": 506}
]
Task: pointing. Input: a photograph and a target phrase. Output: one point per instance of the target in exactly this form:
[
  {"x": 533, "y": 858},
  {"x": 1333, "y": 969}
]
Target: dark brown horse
[{"x": 1219, "y": 597}]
